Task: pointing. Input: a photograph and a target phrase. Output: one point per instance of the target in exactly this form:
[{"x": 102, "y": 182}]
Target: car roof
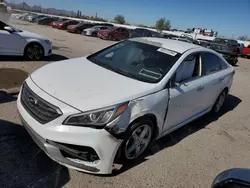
[
  {"x": 174, "y": 45},
  {"x": 224, "y": 38}
]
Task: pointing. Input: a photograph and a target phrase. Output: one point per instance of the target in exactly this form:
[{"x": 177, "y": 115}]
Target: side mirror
[
  {"x": 173, "y": 83},
  {"x": 9, "y": 29}
]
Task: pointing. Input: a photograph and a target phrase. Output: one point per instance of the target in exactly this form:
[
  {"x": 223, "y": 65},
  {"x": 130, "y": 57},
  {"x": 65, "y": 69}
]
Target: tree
[
  {"x": 119, "y": 19},
  {"x": 242, "y": 38},
  {"x": 163, "y": 24}
]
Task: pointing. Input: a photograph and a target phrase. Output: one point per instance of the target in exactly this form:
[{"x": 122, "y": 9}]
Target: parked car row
[{"x": 229, "y": 48}]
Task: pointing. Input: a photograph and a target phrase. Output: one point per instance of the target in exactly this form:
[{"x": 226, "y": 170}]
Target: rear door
[
  {"x": 124, "y": 33},
  {"x": 117, "y": 33},
  {"x": 212, "y": 76}
]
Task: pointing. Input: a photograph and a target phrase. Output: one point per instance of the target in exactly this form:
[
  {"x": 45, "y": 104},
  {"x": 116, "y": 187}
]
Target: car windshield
[
  {"x": 2, "y": 25},
  {"x": 136, "y": 60},
  {"x": 226, "y": 41}
]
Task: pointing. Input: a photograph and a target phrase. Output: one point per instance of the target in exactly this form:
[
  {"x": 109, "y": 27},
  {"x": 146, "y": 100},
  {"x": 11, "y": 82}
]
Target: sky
[{"x": 228, "y": 17}]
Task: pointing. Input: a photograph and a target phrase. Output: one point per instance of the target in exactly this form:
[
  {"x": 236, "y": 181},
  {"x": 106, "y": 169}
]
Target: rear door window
[{"x": 210, "y": 63}]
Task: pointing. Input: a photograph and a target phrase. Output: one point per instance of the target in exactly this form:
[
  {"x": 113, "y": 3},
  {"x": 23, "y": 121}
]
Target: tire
[
  {"x": 134, "y": 143},
  {"x": 34, "y": 51},
  {"x": 219, "y": 102},
  {"x": 78, "y": 31},
  {"x": 235, "y": 62},
  {"x": 94, "y": 34},
  {"x": 111, "y": 37}
]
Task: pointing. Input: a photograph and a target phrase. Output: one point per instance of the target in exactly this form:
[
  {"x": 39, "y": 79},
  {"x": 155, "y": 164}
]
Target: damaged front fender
[{"x": 154, "y": 104}]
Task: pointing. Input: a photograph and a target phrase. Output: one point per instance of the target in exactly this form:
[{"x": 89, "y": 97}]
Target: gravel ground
[{"x": 190, "y": 157}]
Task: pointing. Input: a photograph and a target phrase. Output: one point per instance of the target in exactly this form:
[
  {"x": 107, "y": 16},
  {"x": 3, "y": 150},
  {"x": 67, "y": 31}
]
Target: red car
[
  {"x": 246, "y": 52},
  {"x": 118, "y": 33},
  {"x": 65, "y": 24},
  {"x": 55, "y": 23},
  {"x": 78, "y": 28}
]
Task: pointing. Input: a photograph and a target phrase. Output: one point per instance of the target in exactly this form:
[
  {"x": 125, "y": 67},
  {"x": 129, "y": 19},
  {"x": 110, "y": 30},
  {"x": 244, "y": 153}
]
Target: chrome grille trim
[{"x": 38, "y": 108}]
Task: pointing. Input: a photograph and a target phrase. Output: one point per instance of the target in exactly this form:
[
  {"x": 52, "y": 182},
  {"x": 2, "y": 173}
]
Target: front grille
[{"x": 38, "y": 108}]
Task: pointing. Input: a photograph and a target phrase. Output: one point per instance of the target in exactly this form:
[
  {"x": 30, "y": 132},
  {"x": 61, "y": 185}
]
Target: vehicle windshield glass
[
  {"x": 2, "y": 25},
  {"x": 226, "y": 41},
  {"x": 136, "y": 60}
]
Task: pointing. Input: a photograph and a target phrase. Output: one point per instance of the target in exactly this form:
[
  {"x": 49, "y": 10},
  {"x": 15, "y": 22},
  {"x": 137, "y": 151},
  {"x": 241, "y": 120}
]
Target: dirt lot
[{"x": 189, "y": 157}]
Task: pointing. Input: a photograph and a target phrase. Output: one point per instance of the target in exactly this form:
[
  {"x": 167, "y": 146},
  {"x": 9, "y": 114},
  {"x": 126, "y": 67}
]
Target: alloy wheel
[
  {"x": 35, "y": 52},
  {"x": 220, "y": 101},
  {"x": 138, "y": 141}
]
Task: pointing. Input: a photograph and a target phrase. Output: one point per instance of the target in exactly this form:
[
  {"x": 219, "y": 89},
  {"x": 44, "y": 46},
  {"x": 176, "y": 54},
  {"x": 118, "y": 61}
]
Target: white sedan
[
  {"x": 15, "y": 42},
  {"x": 88, "y": 112}
]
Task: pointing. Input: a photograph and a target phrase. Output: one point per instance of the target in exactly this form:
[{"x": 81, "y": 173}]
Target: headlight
[
  {"x": 97, "y": 118},
  {"x": 47, "y": 41}
]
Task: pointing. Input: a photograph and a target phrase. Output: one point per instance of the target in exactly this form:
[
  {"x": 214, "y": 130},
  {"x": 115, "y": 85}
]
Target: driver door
[{"x": 185, "y": 93}]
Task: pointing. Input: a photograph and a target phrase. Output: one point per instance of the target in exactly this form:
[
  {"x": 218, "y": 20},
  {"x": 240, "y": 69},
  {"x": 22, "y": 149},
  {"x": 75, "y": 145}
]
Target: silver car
[{"x": 93, "y": 31}]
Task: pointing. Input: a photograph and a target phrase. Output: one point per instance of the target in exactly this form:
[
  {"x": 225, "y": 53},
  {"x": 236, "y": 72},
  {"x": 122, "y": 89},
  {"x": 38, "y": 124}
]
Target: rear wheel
[
  {"x": 34, "y": 51},
  {"x": 111, "y": 37},
  {"x": 219, "y": 102},
  {"x": 94, "y": 34},
  {"x": 234, "y": 62}
]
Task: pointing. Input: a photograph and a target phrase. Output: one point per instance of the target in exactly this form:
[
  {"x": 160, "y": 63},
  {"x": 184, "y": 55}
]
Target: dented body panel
[{"x": 83, "y": 89}]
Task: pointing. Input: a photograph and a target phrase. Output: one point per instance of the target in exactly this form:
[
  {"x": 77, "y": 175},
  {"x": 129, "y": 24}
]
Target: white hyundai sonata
[
  {"x": 85, "y": 113},
  {"x": 15, "y": 42}
]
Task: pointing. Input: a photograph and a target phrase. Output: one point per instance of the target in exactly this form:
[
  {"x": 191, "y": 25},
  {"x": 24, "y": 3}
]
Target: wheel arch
[
  {"x": 33, "y": 42},
  {"x": 150, "y": 117}
]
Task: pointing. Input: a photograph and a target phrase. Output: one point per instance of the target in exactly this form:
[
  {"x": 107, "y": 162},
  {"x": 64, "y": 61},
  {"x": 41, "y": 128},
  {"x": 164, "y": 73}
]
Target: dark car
[
  {"x": 46, "y": 21},
  {"x": 227, "y": 47},
  {"x": 65, "y": 24},
  {"x": 140, "y": 32},
  {"x": 232, "y": 178},
  {"x": 104, "y": 24},
  {"x": 205, "y": 43},
  {"x": 78, "y": 28},
  {"x": 55, "y": 23},
  {"x": 38, "y": 17},
  {"x": 169, "y": 36},
  {"x": 118, "y": 33}
]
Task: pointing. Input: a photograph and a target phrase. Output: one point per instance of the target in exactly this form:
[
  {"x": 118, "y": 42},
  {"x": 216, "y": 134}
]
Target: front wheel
[
  {"x": 137, "y": 140},
  {"x": 34, "y": 51},
  {"x": 235, "y": 61},
  {"x": 94, "y": 34},
  {"x": 78, "y": 31},
  {"x": 219, "y": 102}
]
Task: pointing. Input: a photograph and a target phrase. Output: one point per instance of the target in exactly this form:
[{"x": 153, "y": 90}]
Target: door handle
[{"x": 200, "y": 88}]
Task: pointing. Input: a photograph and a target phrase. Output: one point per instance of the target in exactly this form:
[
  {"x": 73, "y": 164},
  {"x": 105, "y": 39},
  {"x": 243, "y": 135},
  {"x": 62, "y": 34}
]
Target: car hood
[
  {"x": 27, "y": 34},
  {"x": 87, "y": 86}
]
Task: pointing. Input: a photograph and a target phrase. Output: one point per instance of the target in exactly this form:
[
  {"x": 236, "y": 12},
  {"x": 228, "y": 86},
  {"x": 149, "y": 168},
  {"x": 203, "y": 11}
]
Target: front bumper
[
  {"x": 46, "y": 136},
  {"x": 47, "y": 49}
]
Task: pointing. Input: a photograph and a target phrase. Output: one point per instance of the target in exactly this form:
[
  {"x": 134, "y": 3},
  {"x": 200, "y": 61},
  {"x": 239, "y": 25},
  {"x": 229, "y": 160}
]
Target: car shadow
[
  {"x": 176, "y": 136},
  {"x": 53, "y": 57},
  {"x": 7, "y": 97},
  {"x": 23, "y": 163}
]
